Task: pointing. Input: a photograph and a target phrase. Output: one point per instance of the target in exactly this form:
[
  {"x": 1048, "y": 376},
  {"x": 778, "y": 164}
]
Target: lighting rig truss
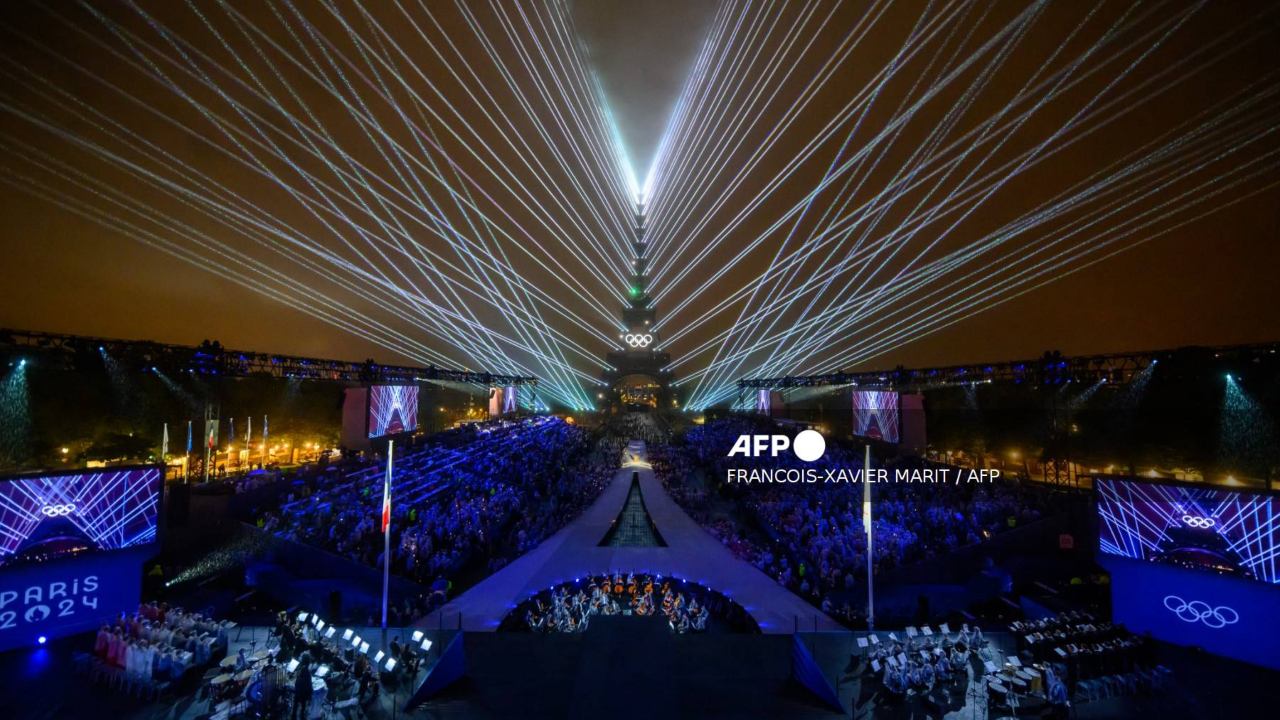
[
  {"x": 1052, "y": 368},
  {"x": 210, "y": 358}
]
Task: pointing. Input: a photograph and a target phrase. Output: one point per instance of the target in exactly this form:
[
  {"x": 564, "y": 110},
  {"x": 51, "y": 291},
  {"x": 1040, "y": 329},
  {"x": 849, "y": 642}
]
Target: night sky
[{"x": 315, "y": 178}]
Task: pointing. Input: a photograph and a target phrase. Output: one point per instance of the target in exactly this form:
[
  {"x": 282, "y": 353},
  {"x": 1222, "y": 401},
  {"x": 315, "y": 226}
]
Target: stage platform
[
  {"x": 691, "y": 554},
  {"x": 624, "y": 665}
]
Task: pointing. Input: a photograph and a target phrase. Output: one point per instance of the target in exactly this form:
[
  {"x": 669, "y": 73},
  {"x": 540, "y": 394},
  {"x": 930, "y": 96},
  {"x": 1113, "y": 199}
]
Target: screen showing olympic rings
[
  {"x": 1229, "y": 532},
  {"x": 50, "y": 517}
]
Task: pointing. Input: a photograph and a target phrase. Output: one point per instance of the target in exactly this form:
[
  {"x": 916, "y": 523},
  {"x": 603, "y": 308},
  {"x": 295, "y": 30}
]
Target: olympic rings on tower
[{"x": 1200, "y": 523}]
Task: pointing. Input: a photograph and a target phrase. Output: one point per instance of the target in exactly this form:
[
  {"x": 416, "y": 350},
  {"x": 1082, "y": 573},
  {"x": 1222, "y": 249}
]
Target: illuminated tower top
[
  {"x": 638, "y": 315},
  {"x": 637, "y": 377}
]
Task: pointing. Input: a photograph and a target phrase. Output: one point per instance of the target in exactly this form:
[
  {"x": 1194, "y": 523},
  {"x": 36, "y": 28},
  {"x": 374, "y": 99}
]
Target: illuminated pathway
[{"x": 691, "y": 553}]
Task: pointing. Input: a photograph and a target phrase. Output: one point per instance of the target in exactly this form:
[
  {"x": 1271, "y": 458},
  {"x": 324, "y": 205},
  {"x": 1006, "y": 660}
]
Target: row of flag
[{"x": 213, "y": 434}]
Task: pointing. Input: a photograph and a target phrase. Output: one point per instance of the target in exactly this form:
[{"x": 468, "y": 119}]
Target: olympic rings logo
[
  {"x": 1202, "y": 523},
  {"x": 1200, "y": 611},
  {"x": 637, "y": 340},
  {"x": 58, "y": 510}
]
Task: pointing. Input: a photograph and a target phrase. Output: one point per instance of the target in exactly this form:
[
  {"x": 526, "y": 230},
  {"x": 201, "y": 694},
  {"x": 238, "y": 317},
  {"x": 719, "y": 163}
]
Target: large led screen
[
  {"x": 1227, "y": 532},
  {"x": 1218, "y": 613},
  {"x": 52, "y": 517},
  {"x": 393, "y": 409},
  {"x": 60, "y": 598},
  {"x": 875, "y": 414},
  {"x": 764, "y": 404}
]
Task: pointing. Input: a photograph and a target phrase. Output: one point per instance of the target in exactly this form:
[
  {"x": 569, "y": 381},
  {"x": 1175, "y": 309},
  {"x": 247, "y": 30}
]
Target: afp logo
[{"x": 809, "y": 445}]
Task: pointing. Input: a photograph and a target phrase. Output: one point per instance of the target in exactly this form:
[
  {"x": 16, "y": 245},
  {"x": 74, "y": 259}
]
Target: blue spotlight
[
  {"x": 1229, "y": 378},
  {"x": 42, "y": 639}
]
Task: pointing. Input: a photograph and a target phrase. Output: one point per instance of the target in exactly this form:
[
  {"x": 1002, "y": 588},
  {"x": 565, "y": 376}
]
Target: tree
[{"x": 117, "y": 446}]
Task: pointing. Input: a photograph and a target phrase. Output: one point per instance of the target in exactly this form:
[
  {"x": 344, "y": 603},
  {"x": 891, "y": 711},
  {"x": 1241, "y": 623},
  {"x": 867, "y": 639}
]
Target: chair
[
  {"x": 1146, "y": 680},
  {"x": 145, "y": 688},
  {"x": 1113, "y": 685},
  {"x": 97, "y": 671},
  {"x": 83, "y": 662},
  {"x": 1089, "y": 690}
]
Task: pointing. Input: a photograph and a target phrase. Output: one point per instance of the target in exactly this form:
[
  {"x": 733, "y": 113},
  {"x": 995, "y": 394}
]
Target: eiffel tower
[{"x": 636, "y": 376}]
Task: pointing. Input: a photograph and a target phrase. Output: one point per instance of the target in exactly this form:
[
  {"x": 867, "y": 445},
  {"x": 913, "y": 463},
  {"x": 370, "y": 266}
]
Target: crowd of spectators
[
  {"x": 470, "y": 500},
  {"x": 811, "y": 538},
  {"x": 476, "y": 497}
]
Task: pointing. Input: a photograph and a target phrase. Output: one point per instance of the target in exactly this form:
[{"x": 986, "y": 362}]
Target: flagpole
[
  {"x": 866, "y": 524},
  {"x": 386, "y": 538},
  {"x": 212, "y": 432}
]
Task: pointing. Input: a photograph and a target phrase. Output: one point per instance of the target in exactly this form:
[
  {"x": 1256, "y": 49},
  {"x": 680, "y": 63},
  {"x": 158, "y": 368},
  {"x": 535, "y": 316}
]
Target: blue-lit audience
[
  {"x": 486, "y": 493},
  {"x": 812, "y": 539}
]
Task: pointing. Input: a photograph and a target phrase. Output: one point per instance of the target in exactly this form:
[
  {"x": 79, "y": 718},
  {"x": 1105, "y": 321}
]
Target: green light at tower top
[{"x": 635, "y": 371}]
